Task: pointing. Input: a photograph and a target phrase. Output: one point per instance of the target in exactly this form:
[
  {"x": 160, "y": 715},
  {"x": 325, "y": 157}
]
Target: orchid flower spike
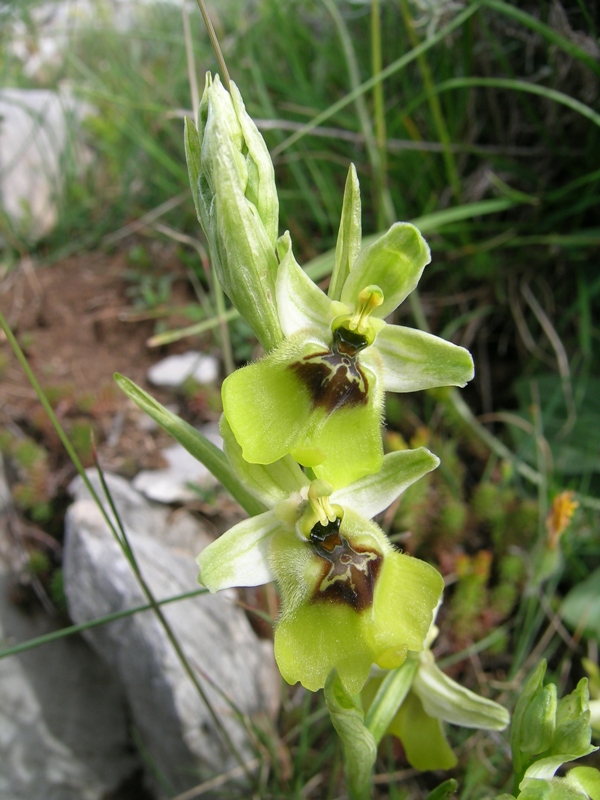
[
  {"x": 349, "y": 599},
  {"x": 319, "y": 394}
]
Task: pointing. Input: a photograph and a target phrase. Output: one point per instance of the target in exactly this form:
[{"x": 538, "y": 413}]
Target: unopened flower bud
[{"x": 233, "y": 184}]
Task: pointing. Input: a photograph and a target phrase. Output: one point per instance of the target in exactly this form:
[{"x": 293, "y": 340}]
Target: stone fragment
[
  {"x": 37, "y": 129},
  {"x": 178, "y": 734},
  {"x": 173, "y": 371},
  {"x": 172, "y": 484}
]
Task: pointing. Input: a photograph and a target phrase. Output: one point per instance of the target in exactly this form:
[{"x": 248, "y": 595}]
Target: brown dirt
[{"x": 77, "y": 327}]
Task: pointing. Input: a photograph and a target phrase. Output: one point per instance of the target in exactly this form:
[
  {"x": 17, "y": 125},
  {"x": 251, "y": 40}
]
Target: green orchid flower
[
  {"x": 434, "y": 699},
  {"x": 349, "y": 599},
  {"x": 319, "y": 394}
]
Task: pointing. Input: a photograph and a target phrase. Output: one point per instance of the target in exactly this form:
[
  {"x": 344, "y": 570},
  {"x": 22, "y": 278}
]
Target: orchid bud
[{"x": 233, "y": 185}]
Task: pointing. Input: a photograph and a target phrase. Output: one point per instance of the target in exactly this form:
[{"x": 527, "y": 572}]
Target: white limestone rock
[
  {"x": 177, "y": 732},
  {"x": 63, "y": 725},
  {"x": 172, "y": 484},
  {"x": 37, "y": 129},
  {"x": 173, "y": 371}
]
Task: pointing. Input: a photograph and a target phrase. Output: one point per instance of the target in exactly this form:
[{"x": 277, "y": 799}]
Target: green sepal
[
  {"x": 349, "y": 235},
  {"x": 573, "y": 732},
  {"x": 540, "y": 722},
  {"x": 360, "y": 749},
  {"x": 422, "y": 736},
  {"x": 301, "y": 304},
  {"x": 414, "y": 360},
  {"x": 373, "y": 493},
  {"x": 448, "y": 700},
  {"x": 518, "y": 731},
  {"x": 194, "y": 442},
  {"x": 394, "y": 262},
  {"x": 260, "y": 189},
  {"x": 191, "y": 141},
  {"x": 240, "y": 556}
]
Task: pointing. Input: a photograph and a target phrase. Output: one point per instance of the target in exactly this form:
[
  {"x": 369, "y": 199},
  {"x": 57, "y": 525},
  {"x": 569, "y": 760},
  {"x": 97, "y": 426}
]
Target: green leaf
[
  {"x": 445, "y": 790},
  {"x": 349, "y": 235},
  {"x": 360, "y": 750},
  {"x": 389, "y": 697},
  {"x": 581, "y": 607},
  {"x": 194, "y": 442}
]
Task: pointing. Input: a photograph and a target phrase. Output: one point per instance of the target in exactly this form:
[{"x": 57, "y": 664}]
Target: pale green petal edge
[
  {"x": 373, "y": 493},
  {"x": 413, "y": 360},
  {"x": 300, "y": 302},
  {"x": 240, "y": 556},
  {"x": 445, "y": 699}
]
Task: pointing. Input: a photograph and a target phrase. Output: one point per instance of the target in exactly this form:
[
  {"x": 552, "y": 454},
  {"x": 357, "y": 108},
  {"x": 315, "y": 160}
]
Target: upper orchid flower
[
  {"x": 349, "y": 598},
  {"x": 319, "y": 394}
]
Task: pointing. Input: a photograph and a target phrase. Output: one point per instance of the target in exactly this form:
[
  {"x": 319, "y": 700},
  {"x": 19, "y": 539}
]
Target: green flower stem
[
  {"x": 225, "y": 338},
  {"x": 360, "y": 748},
  {"x": 215, "y": 43},
  {"x": 46, "y": 638}
]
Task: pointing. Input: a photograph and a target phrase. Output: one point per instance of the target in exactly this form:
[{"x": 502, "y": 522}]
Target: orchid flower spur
[
  {"x": 434, "y": 698},
  {"x": 349, "y": 599},
  {"x": 319, "y": 394}
]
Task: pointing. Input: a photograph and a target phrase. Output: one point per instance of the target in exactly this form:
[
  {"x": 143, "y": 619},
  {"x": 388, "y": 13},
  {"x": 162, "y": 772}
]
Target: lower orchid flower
[{"x": 349, "y": 599}]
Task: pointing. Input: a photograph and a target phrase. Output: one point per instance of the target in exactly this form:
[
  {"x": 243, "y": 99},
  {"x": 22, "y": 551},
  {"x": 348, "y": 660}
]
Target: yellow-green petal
[{"x": 425, "y": 745}]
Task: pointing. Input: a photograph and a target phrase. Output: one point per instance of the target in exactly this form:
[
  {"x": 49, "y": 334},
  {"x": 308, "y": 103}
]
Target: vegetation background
[{"x": 479, "y": 121}]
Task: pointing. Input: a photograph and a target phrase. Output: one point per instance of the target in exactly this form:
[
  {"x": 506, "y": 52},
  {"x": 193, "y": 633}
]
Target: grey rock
[
  {"x": 63, "y": 727},
  {"x": 174, "y": 371},
  {"x": 172, "y": 484},
  {"x": 178, "y": 733},
  {"x": 37, "y": 127}
]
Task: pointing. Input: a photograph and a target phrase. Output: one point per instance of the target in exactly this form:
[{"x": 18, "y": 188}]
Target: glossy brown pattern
[
  {"x": 349, "y": 573},
  {"x": 333, "y": 380}
]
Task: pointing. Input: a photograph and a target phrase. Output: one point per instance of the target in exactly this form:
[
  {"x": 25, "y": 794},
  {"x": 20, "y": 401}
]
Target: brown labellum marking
[
  {"x": 334, "y": 379},
  {"x": 349, "y": 573}
]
